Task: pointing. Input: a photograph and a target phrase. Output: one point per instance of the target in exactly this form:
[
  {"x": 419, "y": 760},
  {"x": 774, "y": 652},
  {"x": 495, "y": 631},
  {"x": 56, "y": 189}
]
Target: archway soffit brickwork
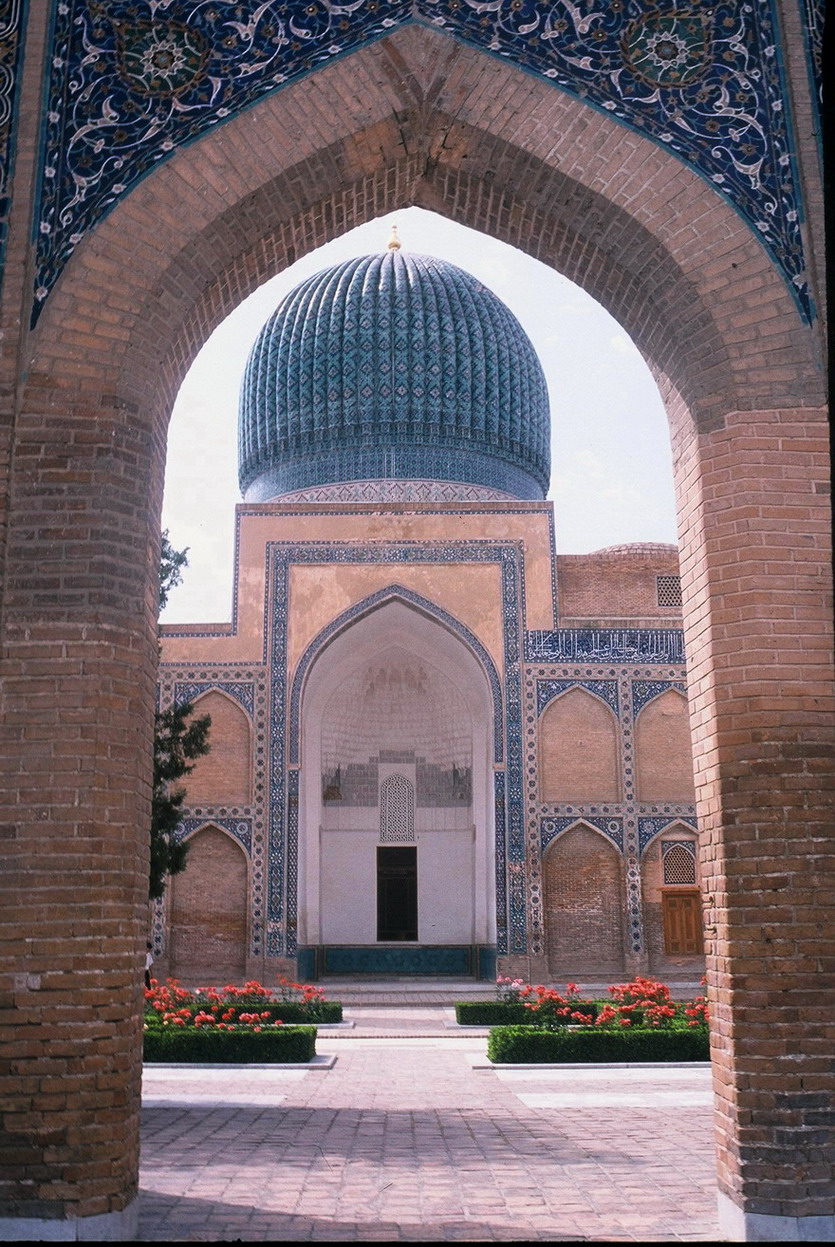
[{"x": 132, "y": 81}]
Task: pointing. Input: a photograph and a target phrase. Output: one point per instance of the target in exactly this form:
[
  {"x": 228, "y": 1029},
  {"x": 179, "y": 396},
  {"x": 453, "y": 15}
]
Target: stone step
[{"x": 418, "y": 990}]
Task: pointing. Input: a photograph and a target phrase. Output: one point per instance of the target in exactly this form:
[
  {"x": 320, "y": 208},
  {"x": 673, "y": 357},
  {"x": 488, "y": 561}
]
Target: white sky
[{"x": 611, "y": 470}]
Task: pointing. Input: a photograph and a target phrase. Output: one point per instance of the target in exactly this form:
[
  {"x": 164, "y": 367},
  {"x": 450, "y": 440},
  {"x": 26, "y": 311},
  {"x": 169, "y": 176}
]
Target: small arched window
[
  {"x": 679, "y": 862},
  {"x": 397, "y": 809}
]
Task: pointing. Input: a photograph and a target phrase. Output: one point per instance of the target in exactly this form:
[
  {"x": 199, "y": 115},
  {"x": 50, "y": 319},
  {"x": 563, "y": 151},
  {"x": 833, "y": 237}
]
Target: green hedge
[
  {"x": 490, "y": 1013},
  {"x": 279, "y": 1011},
  {"x": 188, "y": 1044},
  {"x": 508, "y": 1013},
  {"x": 528, "y": 1045}
]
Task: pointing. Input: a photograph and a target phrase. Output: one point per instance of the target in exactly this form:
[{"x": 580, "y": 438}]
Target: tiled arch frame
[
  {"x": 238, "y": 832},
  {"x": 511, "y": 909},
  {"x": 447, "y": 127},
  {"x": 610, "y": 833}
]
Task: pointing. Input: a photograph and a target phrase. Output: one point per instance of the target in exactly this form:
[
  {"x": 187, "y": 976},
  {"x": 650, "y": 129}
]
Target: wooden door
[{"x": 682, "y": 922}]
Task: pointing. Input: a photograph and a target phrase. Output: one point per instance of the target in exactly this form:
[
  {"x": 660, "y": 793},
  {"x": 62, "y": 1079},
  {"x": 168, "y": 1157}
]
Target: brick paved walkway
[{"x": 403, "y": 1139}]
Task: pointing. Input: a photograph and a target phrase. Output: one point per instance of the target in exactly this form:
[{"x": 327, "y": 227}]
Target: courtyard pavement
[{"x": 409, "y": 1135}]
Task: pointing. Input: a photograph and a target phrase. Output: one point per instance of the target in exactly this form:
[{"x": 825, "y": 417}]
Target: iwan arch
[{"x": 415, "y": 117}]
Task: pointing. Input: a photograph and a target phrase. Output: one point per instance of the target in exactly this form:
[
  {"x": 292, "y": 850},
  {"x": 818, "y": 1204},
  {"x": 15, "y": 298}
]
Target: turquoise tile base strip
[{"x": 441, "y": 959}]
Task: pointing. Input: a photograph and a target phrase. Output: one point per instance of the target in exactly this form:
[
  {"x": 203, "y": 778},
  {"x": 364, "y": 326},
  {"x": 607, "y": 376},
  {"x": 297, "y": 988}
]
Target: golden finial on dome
[{"x": 394, "y": 241}]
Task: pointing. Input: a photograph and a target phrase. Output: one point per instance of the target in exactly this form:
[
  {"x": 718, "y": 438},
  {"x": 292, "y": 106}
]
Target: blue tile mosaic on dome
[
  {"x": 345, "y": 382},
  {"x": 284, "y": 778},
  {"x": 131, "y": 80}
]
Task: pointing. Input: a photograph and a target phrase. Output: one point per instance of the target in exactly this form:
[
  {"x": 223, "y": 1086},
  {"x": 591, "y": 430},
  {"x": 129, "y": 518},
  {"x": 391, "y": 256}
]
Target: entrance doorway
[{"x": 397, "y": 893}]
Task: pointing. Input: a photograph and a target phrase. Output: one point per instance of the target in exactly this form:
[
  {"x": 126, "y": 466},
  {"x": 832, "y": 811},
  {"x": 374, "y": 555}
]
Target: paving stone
[{"x": 404, "y": 1140}]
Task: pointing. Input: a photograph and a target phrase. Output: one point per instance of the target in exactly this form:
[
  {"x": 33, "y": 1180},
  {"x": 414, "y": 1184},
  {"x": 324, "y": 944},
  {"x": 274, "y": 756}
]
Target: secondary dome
[{"x": 393, "y": 368}]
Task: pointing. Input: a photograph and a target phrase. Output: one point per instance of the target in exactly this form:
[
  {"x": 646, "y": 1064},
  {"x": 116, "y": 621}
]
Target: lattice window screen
[
  {"x": 679, "y": 862},
  {"x": 397, "y": 809},
  {"x": 668, "y": 589}
]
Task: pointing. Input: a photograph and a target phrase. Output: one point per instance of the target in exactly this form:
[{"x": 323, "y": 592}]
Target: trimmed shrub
[
  {"x": 216, "y": 1047},
  {"x": 490, "y": 1013},
  {"x": 528, "y": 1045},
  {"x": 509, "y": 1013}
]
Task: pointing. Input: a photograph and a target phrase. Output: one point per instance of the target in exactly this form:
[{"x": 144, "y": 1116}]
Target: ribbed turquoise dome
[{"x": 393, "y": 367}]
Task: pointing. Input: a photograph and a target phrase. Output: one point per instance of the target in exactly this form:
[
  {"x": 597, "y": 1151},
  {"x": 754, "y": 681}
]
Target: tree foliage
[
  {"x": 179, "y": 740},
  {"x": 178, "y": 744},
  {"x": 171, "y": 564}
]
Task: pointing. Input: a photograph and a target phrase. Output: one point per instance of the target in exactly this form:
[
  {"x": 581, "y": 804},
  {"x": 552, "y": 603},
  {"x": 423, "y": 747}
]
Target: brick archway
[{"x": 418, "y": 118}]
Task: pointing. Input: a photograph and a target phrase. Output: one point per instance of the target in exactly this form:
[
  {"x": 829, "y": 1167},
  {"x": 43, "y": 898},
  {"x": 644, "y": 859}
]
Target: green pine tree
[{"x": 178, "y": 743}]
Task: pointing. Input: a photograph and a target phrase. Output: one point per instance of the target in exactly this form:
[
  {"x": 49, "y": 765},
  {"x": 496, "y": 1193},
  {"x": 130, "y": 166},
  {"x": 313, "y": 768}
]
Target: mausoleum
[{"x": 438, "y": 747}]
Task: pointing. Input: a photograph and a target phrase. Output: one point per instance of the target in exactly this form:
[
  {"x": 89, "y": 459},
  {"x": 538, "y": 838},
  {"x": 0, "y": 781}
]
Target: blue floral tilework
[
  {"x": 547, "y": 690},
  {"x": 242, "y": 691},
  {"x": 12, "y": 24},
  {"x": 551, "y": 827},
  {"x": 644, "y": 691},
  {"x": 240, "y": 828},
  {"x": 649, "y": 827},
  {"x": 131, "y": 80}
]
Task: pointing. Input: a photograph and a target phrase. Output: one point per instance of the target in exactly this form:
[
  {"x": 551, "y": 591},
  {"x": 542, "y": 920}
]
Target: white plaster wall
[
  {"x": 348, "y": 887},
  {"x": 445, "y": 887},
  {"x": 348, "y": 893}
]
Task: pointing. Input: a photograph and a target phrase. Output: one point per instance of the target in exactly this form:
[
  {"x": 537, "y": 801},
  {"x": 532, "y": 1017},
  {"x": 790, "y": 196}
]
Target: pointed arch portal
[
  {"x": 396, "y": 697},
  {"x": 480, "y": 134}
]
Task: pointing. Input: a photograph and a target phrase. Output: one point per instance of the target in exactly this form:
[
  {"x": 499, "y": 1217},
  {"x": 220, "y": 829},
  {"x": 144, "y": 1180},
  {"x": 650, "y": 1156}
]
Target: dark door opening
[{"x": 397, "y": 916}]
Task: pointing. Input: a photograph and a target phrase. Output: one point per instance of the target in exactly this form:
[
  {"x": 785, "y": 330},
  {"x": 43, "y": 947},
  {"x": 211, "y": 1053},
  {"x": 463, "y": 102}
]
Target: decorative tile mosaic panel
[
  {"x": 242, "y": 693},
  {"x": 247, "y": 684},
  {"x": 627, "y": 822},
  {"x": 595, "y": 645},
  {"x": 814, "y": 12},
  {"x": 398, "y": 491},
  {"x": 650, "y": 827},
  {"x": 644, "y": 691},
  {"x": 131, "y": 80},
  {"x": 551, "y": 827},
  {"x": 240, "y": 828},
  {"x": 13, "y": 15},
  {"x": 547, "y": 690}
]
